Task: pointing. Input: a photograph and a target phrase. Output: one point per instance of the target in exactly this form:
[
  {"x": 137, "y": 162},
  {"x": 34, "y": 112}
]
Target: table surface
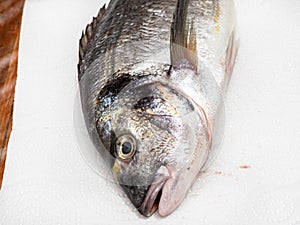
[{"x": 10, "y": 22}]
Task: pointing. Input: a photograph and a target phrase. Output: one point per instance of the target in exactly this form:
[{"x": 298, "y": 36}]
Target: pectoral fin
[{"x": 183, "y": 48}]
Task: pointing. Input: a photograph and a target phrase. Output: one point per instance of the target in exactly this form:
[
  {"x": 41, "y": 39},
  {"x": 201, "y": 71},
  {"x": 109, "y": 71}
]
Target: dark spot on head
[{"x": 108, "y": 93}]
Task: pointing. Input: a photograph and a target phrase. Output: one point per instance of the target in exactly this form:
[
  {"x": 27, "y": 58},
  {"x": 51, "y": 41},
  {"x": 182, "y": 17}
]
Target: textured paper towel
[{"x": 47, "y": 181}]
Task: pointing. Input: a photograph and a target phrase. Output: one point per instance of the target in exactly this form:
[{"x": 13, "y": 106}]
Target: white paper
[{"x": 48, "y": 181}]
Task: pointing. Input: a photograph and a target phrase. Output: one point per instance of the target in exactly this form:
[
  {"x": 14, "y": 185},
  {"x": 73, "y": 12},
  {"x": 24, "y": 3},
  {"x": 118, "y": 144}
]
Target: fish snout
[
  {"x": 146, "y": 197},
  {"x": 136, "y": 194}
]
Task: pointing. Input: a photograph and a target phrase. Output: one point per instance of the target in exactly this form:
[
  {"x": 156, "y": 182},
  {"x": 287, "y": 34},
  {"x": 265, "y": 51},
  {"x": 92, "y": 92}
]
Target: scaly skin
[{"x": 135, "y": 102}]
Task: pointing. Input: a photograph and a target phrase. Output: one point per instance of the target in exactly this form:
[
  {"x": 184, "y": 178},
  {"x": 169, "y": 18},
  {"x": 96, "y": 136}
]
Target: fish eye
[{"x": 125, "y": 147}]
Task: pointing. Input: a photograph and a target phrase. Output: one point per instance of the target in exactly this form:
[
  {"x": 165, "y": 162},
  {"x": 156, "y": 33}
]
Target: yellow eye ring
[{"x": 125, "y": 147}]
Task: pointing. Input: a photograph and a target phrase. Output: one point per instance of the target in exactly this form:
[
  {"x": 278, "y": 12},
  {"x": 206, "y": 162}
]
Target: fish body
[{"x": 152, "y": 75}]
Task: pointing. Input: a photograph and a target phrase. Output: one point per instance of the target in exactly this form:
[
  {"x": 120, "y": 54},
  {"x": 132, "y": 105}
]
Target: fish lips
[
  {"x": 146, "y": 198},
  {"x": 152, "y": 198}
]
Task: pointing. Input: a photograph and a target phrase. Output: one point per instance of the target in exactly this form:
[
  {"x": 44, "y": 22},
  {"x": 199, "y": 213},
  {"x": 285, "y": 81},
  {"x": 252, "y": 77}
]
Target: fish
[{"x": 152, "y": 76}]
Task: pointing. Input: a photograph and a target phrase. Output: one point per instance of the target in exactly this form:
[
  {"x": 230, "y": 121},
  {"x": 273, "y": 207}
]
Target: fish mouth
[{"x": 152, "y": 199}]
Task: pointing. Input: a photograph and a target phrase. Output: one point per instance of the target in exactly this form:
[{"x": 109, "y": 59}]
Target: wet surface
[{"x": 10, "y": 22}]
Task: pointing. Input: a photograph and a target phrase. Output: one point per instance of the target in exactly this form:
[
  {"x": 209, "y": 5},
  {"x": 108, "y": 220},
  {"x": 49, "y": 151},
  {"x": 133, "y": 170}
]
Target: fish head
[{"x": 158, "y": 139}]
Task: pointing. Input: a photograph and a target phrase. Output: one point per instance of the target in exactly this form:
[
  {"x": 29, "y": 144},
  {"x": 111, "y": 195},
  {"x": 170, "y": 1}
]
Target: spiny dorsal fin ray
[
  {"x": 87, "y": 35},
  {"x": 183, "y": 48}
]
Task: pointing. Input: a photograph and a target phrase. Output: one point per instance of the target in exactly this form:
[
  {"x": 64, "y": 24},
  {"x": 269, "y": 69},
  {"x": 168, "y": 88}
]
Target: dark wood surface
[{"x": 10, "y": 22}]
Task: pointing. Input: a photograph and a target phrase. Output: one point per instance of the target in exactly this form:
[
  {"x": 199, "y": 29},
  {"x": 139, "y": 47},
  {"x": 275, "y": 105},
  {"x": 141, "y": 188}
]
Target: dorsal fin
[
  {"x": 183, "y": 48},
  {"x": 87, "y": 35}
]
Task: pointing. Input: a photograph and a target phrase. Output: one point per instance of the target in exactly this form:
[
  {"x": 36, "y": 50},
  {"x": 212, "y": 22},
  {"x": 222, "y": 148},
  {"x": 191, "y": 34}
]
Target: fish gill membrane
[{"x": 170, "y": 122}]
